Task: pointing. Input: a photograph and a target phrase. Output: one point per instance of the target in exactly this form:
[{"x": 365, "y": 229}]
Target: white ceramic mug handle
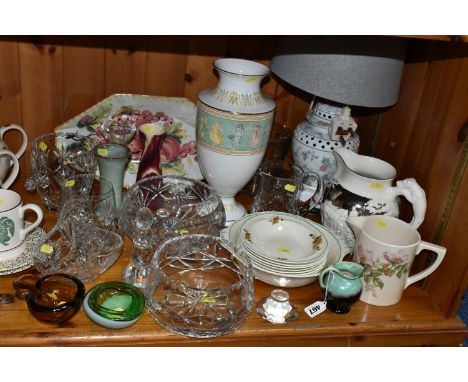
[
  {"x": 14, "y": 171},
  {"x": 24, "y": 143},
  {"x": 39, "y": 218},
  {"x": 440, "y": 251},
  {"x": 413, "y": 192}
]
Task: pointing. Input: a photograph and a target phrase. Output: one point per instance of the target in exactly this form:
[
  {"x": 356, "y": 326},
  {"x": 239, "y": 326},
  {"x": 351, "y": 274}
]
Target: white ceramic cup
[
  {"x": 12, "y": 230},
  {"x": 6, "y": 156},
  {"x": 386, "y": 247}
]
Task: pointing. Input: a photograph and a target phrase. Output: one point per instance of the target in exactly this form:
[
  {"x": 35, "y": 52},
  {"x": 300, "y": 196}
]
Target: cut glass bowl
[{"x": 199, "y": 287}]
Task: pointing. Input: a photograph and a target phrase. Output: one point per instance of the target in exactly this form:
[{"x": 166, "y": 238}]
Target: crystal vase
[{"x": 234, "y": 121}]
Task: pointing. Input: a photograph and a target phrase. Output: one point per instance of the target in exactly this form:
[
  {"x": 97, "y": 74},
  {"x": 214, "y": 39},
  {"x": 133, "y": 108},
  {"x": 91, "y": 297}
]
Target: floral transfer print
[{"x": 395, "y": 265}]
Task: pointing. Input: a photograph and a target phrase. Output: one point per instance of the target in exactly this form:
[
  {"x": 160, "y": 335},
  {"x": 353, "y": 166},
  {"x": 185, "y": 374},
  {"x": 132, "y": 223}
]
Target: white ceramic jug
[
  {"x": 363, "y": 186},
  {"x": 5, "y": 161}
]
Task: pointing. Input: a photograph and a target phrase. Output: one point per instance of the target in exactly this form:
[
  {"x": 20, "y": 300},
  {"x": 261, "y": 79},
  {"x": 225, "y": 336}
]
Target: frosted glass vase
[{"x": 112, "y": 161}]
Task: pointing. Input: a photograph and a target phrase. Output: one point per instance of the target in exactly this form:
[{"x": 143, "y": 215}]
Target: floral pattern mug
[{"x": 386, "y": 247}]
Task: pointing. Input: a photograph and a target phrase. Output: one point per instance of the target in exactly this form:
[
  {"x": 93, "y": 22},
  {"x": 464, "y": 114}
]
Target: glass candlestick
[{"x": 135, "y": 273}]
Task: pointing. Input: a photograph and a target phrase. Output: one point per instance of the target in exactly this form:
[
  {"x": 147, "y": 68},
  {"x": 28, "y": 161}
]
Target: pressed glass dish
[
  {"x": 114, "y": 304},
  {"x": 88, "y": 200},
  {"x": 199, "y": 287},
  {"x": 87, "y": 252}
]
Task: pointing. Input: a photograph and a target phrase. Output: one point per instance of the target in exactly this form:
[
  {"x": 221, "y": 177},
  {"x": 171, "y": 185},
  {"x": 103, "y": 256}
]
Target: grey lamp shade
[{"x": 352, "y": 70}]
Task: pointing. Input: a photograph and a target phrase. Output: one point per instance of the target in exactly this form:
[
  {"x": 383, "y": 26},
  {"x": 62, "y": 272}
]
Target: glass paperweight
[
  {"x": 114, "y": 304},
  {"x": 199, "y": 287},
  {"x": 54, "y": 298},
  {"x": 276, "y": 308}
]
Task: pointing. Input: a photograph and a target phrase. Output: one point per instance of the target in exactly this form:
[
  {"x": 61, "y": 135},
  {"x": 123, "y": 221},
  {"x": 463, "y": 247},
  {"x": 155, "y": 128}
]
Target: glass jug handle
[{"x": 303, "y": 192}]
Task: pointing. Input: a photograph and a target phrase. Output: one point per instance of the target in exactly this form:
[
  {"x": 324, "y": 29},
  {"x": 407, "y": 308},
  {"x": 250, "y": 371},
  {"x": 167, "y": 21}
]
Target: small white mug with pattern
[{"x": 12, "y": 229}]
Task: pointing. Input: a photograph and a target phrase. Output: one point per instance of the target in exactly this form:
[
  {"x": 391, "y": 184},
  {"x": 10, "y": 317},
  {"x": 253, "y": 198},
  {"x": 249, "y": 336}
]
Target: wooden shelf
[{"x": 414, "y": 321}]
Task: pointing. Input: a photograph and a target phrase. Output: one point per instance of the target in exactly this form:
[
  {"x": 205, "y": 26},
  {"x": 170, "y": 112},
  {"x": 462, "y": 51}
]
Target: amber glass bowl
[{"x": 56, "y": 298}]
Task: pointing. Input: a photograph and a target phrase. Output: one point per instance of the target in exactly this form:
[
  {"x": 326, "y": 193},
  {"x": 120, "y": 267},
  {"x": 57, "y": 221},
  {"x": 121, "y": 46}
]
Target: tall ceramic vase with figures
[{"x": 234, "y": 121}]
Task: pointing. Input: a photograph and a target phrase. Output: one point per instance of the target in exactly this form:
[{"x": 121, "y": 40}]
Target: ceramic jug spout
[
  {"x": 340, "y": 159},
  {"x": 356, "y": 223}
]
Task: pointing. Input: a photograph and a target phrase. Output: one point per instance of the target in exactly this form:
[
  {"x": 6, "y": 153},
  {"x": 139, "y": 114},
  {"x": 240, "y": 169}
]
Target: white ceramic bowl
[
  {"x": 283, "y": 237},
  {"x": 337, "y": 250}
]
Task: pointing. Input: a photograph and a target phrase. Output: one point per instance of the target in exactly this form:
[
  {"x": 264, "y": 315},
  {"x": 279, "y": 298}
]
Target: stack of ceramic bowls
[{"x": 285, "y": 250}]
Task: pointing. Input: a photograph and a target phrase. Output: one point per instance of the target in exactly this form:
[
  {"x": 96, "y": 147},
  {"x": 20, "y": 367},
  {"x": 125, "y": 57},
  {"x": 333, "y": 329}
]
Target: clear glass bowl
[
  {"x": 56, "y": 157},
  {"x": 199, "y": 287},
  {"x": 178, "y": 206}
]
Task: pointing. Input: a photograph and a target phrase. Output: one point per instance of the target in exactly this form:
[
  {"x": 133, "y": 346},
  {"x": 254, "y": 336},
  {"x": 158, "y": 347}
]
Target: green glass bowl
[{"x": 116, "y": 304}]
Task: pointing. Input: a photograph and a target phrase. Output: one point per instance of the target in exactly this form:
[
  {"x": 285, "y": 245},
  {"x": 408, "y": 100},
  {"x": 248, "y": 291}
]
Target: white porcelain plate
[
  {"x": 178, "y": 156},
  {"x": 25, "y": 259}
]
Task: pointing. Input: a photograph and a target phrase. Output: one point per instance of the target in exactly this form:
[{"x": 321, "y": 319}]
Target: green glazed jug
[{"x": 342, "y": 285}]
